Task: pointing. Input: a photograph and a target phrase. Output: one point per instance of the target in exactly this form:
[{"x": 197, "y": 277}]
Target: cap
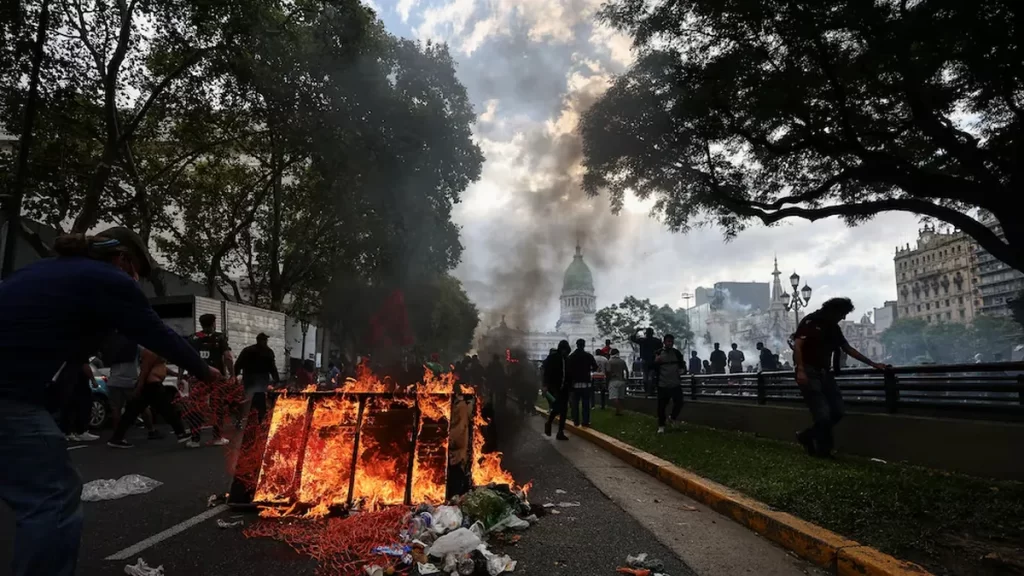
[
  {"x": 133, "y": 242},
  {"x": 262, "y": 336}
]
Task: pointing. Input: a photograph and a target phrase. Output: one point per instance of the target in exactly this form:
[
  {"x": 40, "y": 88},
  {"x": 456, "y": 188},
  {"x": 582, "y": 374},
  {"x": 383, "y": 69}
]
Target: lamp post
[{"x": 799, "y": 299}]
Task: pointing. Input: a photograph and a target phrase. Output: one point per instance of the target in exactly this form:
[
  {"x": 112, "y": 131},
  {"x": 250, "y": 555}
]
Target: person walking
[
  {"x": 718, "y": 360},
  {"x": 149, "y": 393},
  {"x": 75, "y": 412},
  {"x": 648, "y": 347},
  {"x": 617, "y": 373},
  {"x": 123, "y": 357},
  {"x": 556, "y": 380},
  {"x": 209, "y": 400},
  {"x": 695, "y": 363},
  {"x": 581, "y": 365},
  {"x": 669, "y": 362},
  {"x": 54, "y": 312},
  {"x": 258, "y": 368},
  {"x": 736, "y": 359},
  {"x": 816, "y": 345}
]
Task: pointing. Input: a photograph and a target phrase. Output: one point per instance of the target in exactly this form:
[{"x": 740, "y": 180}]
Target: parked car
[{"x": 100, "y": 415}]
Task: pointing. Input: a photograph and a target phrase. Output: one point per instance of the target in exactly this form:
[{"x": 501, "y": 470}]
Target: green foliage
[
  {"x": 913, "y": 340},
  {"x": 665, "y": 320},
  {"x": 620, "y": 321},
  {"x": 768, "y": 109},
  {"x": 442, "y": 318}
]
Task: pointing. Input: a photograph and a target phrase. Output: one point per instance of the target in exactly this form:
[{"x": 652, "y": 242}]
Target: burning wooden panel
[
  {"x": 430, "y": 467},
  {"x": 330, "y": 446},
  {"x": 285, "y": 443},
  {"x": 385, "y": 450}
]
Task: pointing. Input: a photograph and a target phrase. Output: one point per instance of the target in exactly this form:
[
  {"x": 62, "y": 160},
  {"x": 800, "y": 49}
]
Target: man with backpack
[
  {"x": 210, "y": 397},
  {"x": 669, "y": 367}
]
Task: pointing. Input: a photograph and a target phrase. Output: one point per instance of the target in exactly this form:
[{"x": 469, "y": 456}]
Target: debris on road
[
  {"x": 560, "y": 491},
  {"x": 127, "y": 485},
  {"x": 211, "y": 501},
  {"x": 568, "y": 504},
  {"x": 689, "y": 508},
  {"x": 222, "y": 524},
  {"x": 644, "y": 564},
  {"x": 140, "y": 568},
  {"x": 879, "y": 460}
]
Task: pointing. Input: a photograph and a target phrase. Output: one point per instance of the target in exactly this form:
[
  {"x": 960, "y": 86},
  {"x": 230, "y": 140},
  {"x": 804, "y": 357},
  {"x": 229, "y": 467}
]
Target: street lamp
[{"x": 799, "y": 299}]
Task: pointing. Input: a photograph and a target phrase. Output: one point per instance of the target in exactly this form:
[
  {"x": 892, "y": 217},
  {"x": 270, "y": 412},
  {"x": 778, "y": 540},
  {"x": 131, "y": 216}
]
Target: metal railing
[{"x": 994, "y": 387}]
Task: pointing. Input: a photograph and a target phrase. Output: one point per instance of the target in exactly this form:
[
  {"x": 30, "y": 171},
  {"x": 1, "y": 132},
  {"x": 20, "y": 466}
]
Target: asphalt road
[{"x": 593, "y": 539}]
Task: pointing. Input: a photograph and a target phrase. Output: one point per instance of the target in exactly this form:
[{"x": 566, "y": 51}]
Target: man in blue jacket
[{"x": 55, "y": 312}]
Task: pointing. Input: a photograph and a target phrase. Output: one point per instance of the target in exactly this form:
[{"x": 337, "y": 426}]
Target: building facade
[
  {"x": 998, "y": 283},
  {"x": 885, "y": 316},
  {"x": 576, "y": 319},
  {"x": 936, "y": 280}
]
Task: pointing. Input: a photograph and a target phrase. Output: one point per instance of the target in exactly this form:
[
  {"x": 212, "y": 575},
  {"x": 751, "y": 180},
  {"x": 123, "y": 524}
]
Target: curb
[{"x": 845, "y": 557}]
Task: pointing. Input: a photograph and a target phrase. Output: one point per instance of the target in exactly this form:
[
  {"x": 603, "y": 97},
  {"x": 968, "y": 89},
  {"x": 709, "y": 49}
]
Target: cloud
[
  {"x": 533, "y": 67},
  {"x": 404, "y": 7}
]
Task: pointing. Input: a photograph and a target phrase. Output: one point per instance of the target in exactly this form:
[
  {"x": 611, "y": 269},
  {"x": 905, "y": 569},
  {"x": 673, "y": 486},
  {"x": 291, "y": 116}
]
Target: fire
[{"x": 370, "y": 444}]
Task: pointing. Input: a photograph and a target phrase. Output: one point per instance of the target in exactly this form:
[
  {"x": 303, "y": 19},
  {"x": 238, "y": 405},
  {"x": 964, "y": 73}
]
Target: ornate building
[
  {"x": 937, "y": 279},
  {"x": 576, "y": 319}
]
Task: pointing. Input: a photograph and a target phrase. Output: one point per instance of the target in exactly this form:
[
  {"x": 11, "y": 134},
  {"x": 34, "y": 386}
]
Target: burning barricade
[{"x": 375, "y": 478}]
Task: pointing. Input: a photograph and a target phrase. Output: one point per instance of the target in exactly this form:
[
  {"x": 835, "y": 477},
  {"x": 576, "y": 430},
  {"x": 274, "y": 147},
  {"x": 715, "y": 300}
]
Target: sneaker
[
  {"x": 72, "y": 437},
  {"x": 222, "y": 441},
  {"x": 561, "y": 436},
  {"x": 193, "y": 443},
  {"x": 154, "y": 435},
  {"x": 661, "y": 429},
  {"x": 120, "y": 444},
  {"x": 183, "y": 437},
  {"x": 547, "y": 428},
  {"x": 87, "y": 437},
  {"x": 806, "y": 441}
]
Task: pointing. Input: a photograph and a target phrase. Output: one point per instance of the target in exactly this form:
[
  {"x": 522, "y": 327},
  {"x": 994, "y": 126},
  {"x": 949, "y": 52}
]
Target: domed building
[{"x": 578, "y": 306}]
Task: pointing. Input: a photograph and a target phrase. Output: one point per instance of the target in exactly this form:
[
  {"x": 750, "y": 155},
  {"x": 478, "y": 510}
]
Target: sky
[{"x": 530, "y": 68}]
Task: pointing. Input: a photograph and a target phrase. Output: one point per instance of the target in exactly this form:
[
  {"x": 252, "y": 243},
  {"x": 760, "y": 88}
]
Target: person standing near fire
[
  {"x": 617, "y": 373},
  {"x": 581, "y": 366},
  {"x": 54, "y": 312},
  {"x": 648, "y": 346},
  {"x": 258, "y": 367},
  {"x": 671, "y": 366},
  {"x": 210, "y": 397},
  {"x": 556, "y": 380}
]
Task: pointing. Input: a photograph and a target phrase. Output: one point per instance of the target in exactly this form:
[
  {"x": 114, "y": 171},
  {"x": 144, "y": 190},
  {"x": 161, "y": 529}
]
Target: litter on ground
[
  {"x": 225, "y": 524},
  {"x": 140, "y": 568},
  {"x": 126, "y": 485}
]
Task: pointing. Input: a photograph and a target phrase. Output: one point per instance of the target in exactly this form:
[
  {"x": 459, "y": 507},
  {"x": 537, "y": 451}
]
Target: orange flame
[{"x": 486, "y": 467}]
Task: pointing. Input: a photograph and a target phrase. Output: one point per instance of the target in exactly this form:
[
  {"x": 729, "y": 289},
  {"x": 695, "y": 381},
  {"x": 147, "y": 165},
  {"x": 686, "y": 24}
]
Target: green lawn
[{"x": 946, "y": 522}]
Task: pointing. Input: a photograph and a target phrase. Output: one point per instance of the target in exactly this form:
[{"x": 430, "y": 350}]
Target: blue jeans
[{"x": 40, "y": 485}]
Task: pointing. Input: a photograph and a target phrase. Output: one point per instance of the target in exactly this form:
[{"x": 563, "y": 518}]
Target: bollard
[
  {"x": 762, "y": 389},
  {"x": 693, "y": 387},
  {"x": 892, "y": 392}
]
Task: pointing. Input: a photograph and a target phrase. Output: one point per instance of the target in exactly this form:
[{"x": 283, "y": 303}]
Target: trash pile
[
  {"x": 642, "y": 565},
  {"x": 445, "y": 540}
]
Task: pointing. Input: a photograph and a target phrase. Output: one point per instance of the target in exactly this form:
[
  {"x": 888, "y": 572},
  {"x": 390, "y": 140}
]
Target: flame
[{"x": 371, "y": 444}]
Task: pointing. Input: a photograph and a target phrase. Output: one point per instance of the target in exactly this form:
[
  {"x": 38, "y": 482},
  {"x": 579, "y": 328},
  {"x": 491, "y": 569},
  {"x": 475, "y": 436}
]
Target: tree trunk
[
  {"x": 25, "y": 144},
  {"x": 276, "y": 289}
]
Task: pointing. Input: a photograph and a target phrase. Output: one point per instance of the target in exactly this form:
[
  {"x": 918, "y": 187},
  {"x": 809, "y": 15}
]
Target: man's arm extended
[{"x": 854, "y": 353}]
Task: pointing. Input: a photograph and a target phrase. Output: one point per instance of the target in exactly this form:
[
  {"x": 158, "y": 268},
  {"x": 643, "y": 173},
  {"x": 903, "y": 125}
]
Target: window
[
  {"x": 928, "y": 306},
  {"x": 918, "y": 307},
  {"x": 961, "y": 300},
  {"x": 929, "y": 317},
  {"x": 962, "y": 314},
  {"x": 947, "y": 316},
  {"x": 947, "y": 302}
]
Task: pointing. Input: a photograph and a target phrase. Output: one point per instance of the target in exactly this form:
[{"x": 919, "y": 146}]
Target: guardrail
[{"x": 994, "y": 387}]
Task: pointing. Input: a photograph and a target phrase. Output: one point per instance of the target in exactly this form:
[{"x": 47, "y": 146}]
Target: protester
[
  {"x": 581, "y": 365},
  {"x": 333, "y": 372},
  {"x": 600, "y": 379},
  {"x": 556, "y": 380},
  {"x": 816, "y": 343},
  {"x": 497, "y": 382},
  {"x": 695, "y": 364},
  {"x": 616, "y": 374},
  {"x": 736, "y": 359},
  {"x": 258, "y": 368},
  {"x": 54, "y": 312},
  {"x": 75, "y": 414},
  {"x": 707, "y": 367},
  {"x": 210, "y": 397},
  {"x": 648, "y": 346},
  {"x": 123, "y": 356},
  {"x": 718, "y": 360},
  {"x": 606, "y": 351},
  {"x": 669, "y": 362},
  {"x": 149, "y": 392},
  {"x": 767, "y": 359}
]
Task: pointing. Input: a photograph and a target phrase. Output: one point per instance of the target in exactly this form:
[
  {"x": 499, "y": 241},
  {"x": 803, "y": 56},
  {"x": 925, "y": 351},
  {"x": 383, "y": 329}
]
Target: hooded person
[
  {"x": 558, "y": 385},
  {"x": 55, "y": 312}
]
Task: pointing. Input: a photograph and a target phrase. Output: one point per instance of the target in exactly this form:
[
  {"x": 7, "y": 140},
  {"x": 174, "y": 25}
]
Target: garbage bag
[
  {"x": 496, "y": 564},
  {"x": 478, "y": 529},
  {"x": 426, "y": 568},
  {"x": 485, "y": 505},
  {"x": 460, "y": 541},
  {"x": 126, "y": 485},
  {"x": 140, "y": 568},
  {"x": 511, "y": 522},
  {"x": 446, "y": 518}
]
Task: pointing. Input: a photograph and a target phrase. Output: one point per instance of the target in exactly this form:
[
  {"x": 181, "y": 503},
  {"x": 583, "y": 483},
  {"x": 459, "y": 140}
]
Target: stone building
[
  {"x": 998, "y": 283},
  {"x": 937, "y": 279},
  {"x": 576, "y": 319}
]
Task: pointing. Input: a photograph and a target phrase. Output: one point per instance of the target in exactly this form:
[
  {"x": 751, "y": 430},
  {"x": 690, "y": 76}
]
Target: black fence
[{"x": 997, "y": 387}]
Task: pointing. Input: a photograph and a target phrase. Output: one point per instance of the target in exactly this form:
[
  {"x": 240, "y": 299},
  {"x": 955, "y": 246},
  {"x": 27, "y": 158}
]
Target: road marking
[
  {"x": 76, "y": 447},
  {"x": 173, "y": 530}
]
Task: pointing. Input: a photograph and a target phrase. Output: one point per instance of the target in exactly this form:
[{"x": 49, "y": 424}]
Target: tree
[
  {"x": 995, "y": 336},
  {"x": 1017, "y": 309},
  {"x": 442, "y": 317},
  {"x": 620, "y": 321},
  {"x": 665, "y": 320},
  {"x": 769, "y": 109},
  {"x": 904, "y": 340}
]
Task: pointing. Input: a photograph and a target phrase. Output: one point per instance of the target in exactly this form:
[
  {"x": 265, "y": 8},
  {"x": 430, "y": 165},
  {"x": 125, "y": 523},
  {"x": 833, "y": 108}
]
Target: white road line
[
  {"x": 173, "y": 530},
  {"x": 77, "y": 447}
]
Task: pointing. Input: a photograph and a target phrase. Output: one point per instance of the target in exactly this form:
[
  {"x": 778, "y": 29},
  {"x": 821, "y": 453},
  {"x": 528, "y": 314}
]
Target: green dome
[{"x": 577, "y": 276}]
